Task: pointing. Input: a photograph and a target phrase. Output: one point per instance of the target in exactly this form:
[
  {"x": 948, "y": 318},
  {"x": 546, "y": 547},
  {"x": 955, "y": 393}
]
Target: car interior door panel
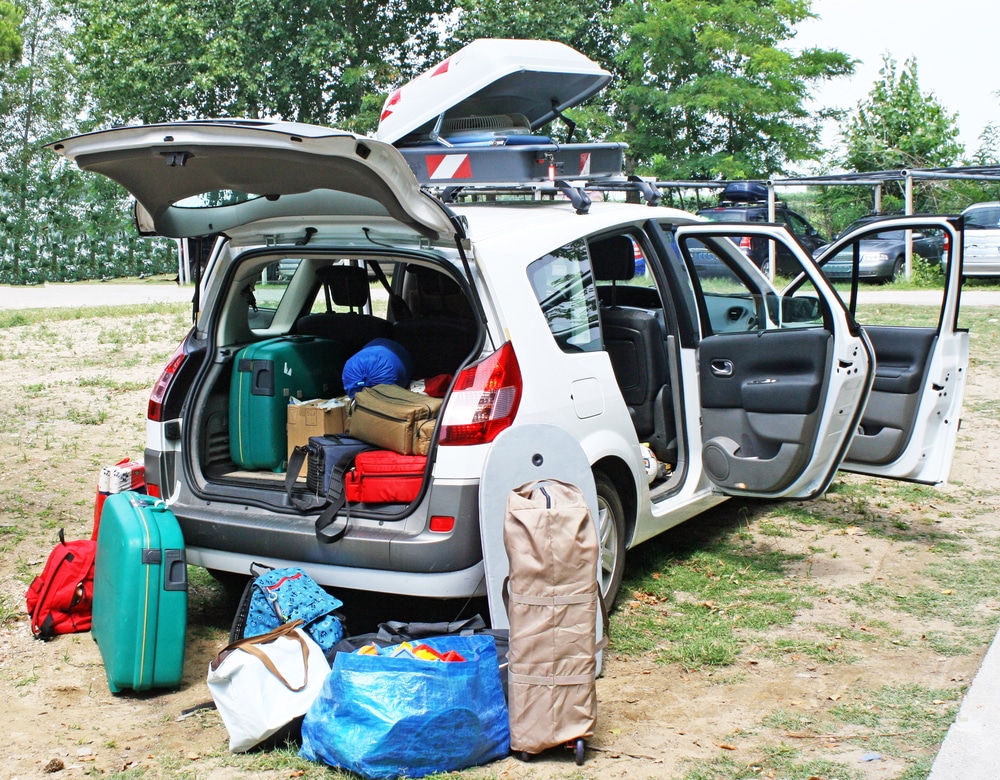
[
  {"x": 910, "y": 424},
  {"x": 760, "y": 405},
  {"x": 902, "y": 357}
]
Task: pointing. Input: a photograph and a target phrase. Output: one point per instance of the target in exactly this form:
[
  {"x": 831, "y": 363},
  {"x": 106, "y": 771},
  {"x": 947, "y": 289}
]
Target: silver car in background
[{"x": 982, "y": 239}]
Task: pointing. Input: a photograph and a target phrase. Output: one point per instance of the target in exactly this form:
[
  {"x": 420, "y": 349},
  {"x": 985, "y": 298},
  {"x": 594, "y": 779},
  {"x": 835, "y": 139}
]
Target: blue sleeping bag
[{"x": 379, "y": 362}]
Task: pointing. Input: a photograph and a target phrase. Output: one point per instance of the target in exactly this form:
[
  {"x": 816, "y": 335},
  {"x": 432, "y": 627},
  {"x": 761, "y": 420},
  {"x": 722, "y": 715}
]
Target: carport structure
[{"x": 874, "y": 179}]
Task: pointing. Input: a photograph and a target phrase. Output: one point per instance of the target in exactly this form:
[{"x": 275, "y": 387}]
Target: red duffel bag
[{"x": 385, "y": 477}]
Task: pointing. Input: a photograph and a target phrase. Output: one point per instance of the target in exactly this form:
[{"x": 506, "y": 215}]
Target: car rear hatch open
[{"x": 202, "y": 178}]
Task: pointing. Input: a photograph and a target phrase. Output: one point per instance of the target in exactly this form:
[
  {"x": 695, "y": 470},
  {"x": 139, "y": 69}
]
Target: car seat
[
  {"x": 345, "y": 285},
  {"x": 437, "y": 326},
  {"x": 634, "y": 340}
]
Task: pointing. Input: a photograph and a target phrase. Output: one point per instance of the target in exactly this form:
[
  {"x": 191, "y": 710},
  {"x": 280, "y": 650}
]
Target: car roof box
[
  {"x": 505, "y": 83},
  {"x": 471, "y": 119},
  {"x": 744, "y": 191}
]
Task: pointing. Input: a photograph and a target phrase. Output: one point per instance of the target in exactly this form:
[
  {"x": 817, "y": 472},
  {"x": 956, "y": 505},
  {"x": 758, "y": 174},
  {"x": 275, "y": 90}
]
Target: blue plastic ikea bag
[
  {"x": 283, "y": 595},
  {"x": 379, "y": 362},
  {"x": 384, "y": 717}
]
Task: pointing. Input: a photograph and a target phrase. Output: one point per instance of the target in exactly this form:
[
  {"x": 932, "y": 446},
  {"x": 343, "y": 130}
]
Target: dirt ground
[{"x": 73, "y": 397}]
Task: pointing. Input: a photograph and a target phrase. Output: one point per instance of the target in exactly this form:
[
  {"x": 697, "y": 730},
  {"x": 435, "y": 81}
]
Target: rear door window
[{"x": 564, "y": 287}]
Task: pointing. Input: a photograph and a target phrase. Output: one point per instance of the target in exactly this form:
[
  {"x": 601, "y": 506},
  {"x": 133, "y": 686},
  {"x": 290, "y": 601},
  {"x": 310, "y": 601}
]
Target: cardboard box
[{"x": 318, "y": 417}]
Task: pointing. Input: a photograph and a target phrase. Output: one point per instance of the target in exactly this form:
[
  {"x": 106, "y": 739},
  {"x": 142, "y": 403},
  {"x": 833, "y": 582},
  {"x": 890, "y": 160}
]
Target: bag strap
[
  {"x": 338, "y": 501},
  {"x": 44, "y": 629},
  {"x": 337, "y": 498},
  {"x": 295, "y": 461},
  {"x": 335, "y": 495},
  {"x": 249, "y": 645},
  {"x": 396, "y": 629}
]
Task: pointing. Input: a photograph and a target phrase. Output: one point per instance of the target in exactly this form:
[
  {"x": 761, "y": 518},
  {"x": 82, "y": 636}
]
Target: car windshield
[{"x": 986, "y": 217}]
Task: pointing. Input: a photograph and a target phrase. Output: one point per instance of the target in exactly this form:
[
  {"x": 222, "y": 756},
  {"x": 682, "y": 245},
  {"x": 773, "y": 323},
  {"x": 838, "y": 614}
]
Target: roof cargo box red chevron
[{"x": 472, "y": 119}]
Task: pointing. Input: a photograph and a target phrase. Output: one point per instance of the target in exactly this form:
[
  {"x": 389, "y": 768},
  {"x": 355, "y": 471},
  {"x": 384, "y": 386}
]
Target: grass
[
  {"x": 717, "y": 599},
  {"x": 694, "y": 606},
  {"x": 24, "y": 317}
]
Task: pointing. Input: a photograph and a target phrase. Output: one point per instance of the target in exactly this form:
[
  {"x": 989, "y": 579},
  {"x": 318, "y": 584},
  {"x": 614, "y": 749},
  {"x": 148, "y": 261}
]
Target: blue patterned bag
[
  {"x": 283, "y": 595},
  {"x": 385, "y": 717}
]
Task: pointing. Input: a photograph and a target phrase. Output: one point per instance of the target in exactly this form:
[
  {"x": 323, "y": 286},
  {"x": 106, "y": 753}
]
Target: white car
[
  {"x": 528, "y": 301},
  {"x": 982, "y": 239}
]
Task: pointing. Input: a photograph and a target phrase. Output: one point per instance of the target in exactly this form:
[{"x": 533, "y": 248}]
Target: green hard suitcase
[
  {"x": 140, "y": 593},
  {"x": 265, "y": 376}
]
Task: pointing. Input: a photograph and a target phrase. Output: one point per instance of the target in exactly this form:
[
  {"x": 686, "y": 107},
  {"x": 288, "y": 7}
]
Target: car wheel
[
  {"x": 898, "y": 269},
  {"x": 765, "y": 268},
  {"x": 611, "y": 534}
]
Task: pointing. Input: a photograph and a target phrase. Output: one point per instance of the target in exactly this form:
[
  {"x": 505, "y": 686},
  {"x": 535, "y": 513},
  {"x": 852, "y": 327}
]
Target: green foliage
[
  {"x": 156, "y": 60},
  {"x": 898, "y": 126},
  {"x": 695, "y": 607},
  {"x": 59, "y": 225},
  {"x": 706, "y": 90},
  {"x": 10, "y": 37}
]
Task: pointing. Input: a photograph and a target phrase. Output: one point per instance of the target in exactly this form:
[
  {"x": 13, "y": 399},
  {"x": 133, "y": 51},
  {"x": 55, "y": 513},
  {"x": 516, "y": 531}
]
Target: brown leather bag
[{"x": 394, "y": 418}]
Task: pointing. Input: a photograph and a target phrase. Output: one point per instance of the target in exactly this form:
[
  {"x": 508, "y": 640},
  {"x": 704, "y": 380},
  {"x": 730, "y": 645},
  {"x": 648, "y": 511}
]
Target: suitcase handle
[
  {"x": 144, "y": 500},
  {"x": 174, "y": 570}
]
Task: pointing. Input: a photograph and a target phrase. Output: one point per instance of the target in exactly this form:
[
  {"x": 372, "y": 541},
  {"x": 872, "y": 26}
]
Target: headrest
[
  {"x": 347, "y": 284},
  {"x": 613, "y": 259}
]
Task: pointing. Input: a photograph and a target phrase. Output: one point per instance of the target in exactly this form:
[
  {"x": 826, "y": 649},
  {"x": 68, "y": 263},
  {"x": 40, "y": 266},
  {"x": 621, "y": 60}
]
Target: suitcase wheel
[
  {"x": 525, "y": 756},
  {"x": 578, "y": 750}
]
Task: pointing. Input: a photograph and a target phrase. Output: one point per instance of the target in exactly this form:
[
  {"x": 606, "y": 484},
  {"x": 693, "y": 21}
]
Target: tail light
[
  {"x": 745, "y": 245},
  {"x": 483, "y": 401},
  {"x": 154, "y": 411},
  {"x": 946, "y": 247}
]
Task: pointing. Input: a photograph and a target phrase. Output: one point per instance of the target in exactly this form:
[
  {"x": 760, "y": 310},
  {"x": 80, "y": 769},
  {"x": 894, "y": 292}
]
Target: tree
[
  {"x": 705, "y": 89},
  {"x": 156, "y": 60},
  {"x": 898, "y": 126},
  {"x": 58, "y": 223},
  {"x": 10, "y": 37}
]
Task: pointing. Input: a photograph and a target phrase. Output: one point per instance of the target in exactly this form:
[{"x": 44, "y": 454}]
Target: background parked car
[
  {"x": 882, "y": 254},
  {"x": 982, "y": 239},
  {"x": 747, "y": 202}
]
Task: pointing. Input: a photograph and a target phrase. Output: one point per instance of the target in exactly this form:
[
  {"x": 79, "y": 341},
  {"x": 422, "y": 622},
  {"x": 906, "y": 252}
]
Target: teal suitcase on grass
[
  {"x": 266, "y": 375},
  {"x": 140, "y": 593}
]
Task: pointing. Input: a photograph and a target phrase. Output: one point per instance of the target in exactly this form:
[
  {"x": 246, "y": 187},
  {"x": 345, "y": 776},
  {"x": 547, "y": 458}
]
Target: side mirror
[{"x": 803, "y": 308}]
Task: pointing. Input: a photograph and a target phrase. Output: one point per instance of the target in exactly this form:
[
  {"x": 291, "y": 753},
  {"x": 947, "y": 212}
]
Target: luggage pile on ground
[{"x": 408, "y": 700}]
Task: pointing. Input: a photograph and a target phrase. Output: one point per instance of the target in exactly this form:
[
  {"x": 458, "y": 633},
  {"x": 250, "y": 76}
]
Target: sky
[{"x": 955, "y": 44}]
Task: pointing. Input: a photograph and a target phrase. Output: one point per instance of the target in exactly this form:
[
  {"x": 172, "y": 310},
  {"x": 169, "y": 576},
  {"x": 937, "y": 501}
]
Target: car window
[
  {"x": 263, "y": 294},
  {"x": 564, "y": 286},
  {"x": 731, "y": 216},
  {"x": 734, "y": 302},
  {"x": 988, "y": 217}
]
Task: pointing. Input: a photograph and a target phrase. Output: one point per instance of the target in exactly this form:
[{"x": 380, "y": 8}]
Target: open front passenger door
[{"x": 783, "y": 376}]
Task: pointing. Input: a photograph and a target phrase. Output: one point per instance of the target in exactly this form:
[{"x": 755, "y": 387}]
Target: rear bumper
[{"x": 466, "y": 583}]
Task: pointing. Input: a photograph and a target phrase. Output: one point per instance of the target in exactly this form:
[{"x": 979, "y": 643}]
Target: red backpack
[{"x": 60, "y": 598}]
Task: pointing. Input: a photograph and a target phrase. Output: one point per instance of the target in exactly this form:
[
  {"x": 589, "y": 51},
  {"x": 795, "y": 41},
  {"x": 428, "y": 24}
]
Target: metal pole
[
  {"x": 772, "y": 255},
  {"x": 908, "y": 210}
]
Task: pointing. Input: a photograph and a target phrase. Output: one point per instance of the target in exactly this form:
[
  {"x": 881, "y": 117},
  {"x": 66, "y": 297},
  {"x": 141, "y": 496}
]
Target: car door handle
[{"x": 721, "y": 367}]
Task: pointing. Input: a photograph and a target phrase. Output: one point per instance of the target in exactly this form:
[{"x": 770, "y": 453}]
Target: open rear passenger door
[
  {"x": 910, "y": 424},
  {"x": 783, "y": 377}
]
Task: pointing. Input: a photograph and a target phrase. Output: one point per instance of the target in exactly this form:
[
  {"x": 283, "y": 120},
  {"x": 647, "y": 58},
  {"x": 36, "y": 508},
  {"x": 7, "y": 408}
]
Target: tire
[
  {"x": 765, "y": 268},
  {"x": 898, "y": 269},
  {"x": 611, "y": 534}
]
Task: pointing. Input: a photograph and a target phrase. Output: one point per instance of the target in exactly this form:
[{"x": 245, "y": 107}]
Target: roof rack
[{"x": 577, "y": 191}]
